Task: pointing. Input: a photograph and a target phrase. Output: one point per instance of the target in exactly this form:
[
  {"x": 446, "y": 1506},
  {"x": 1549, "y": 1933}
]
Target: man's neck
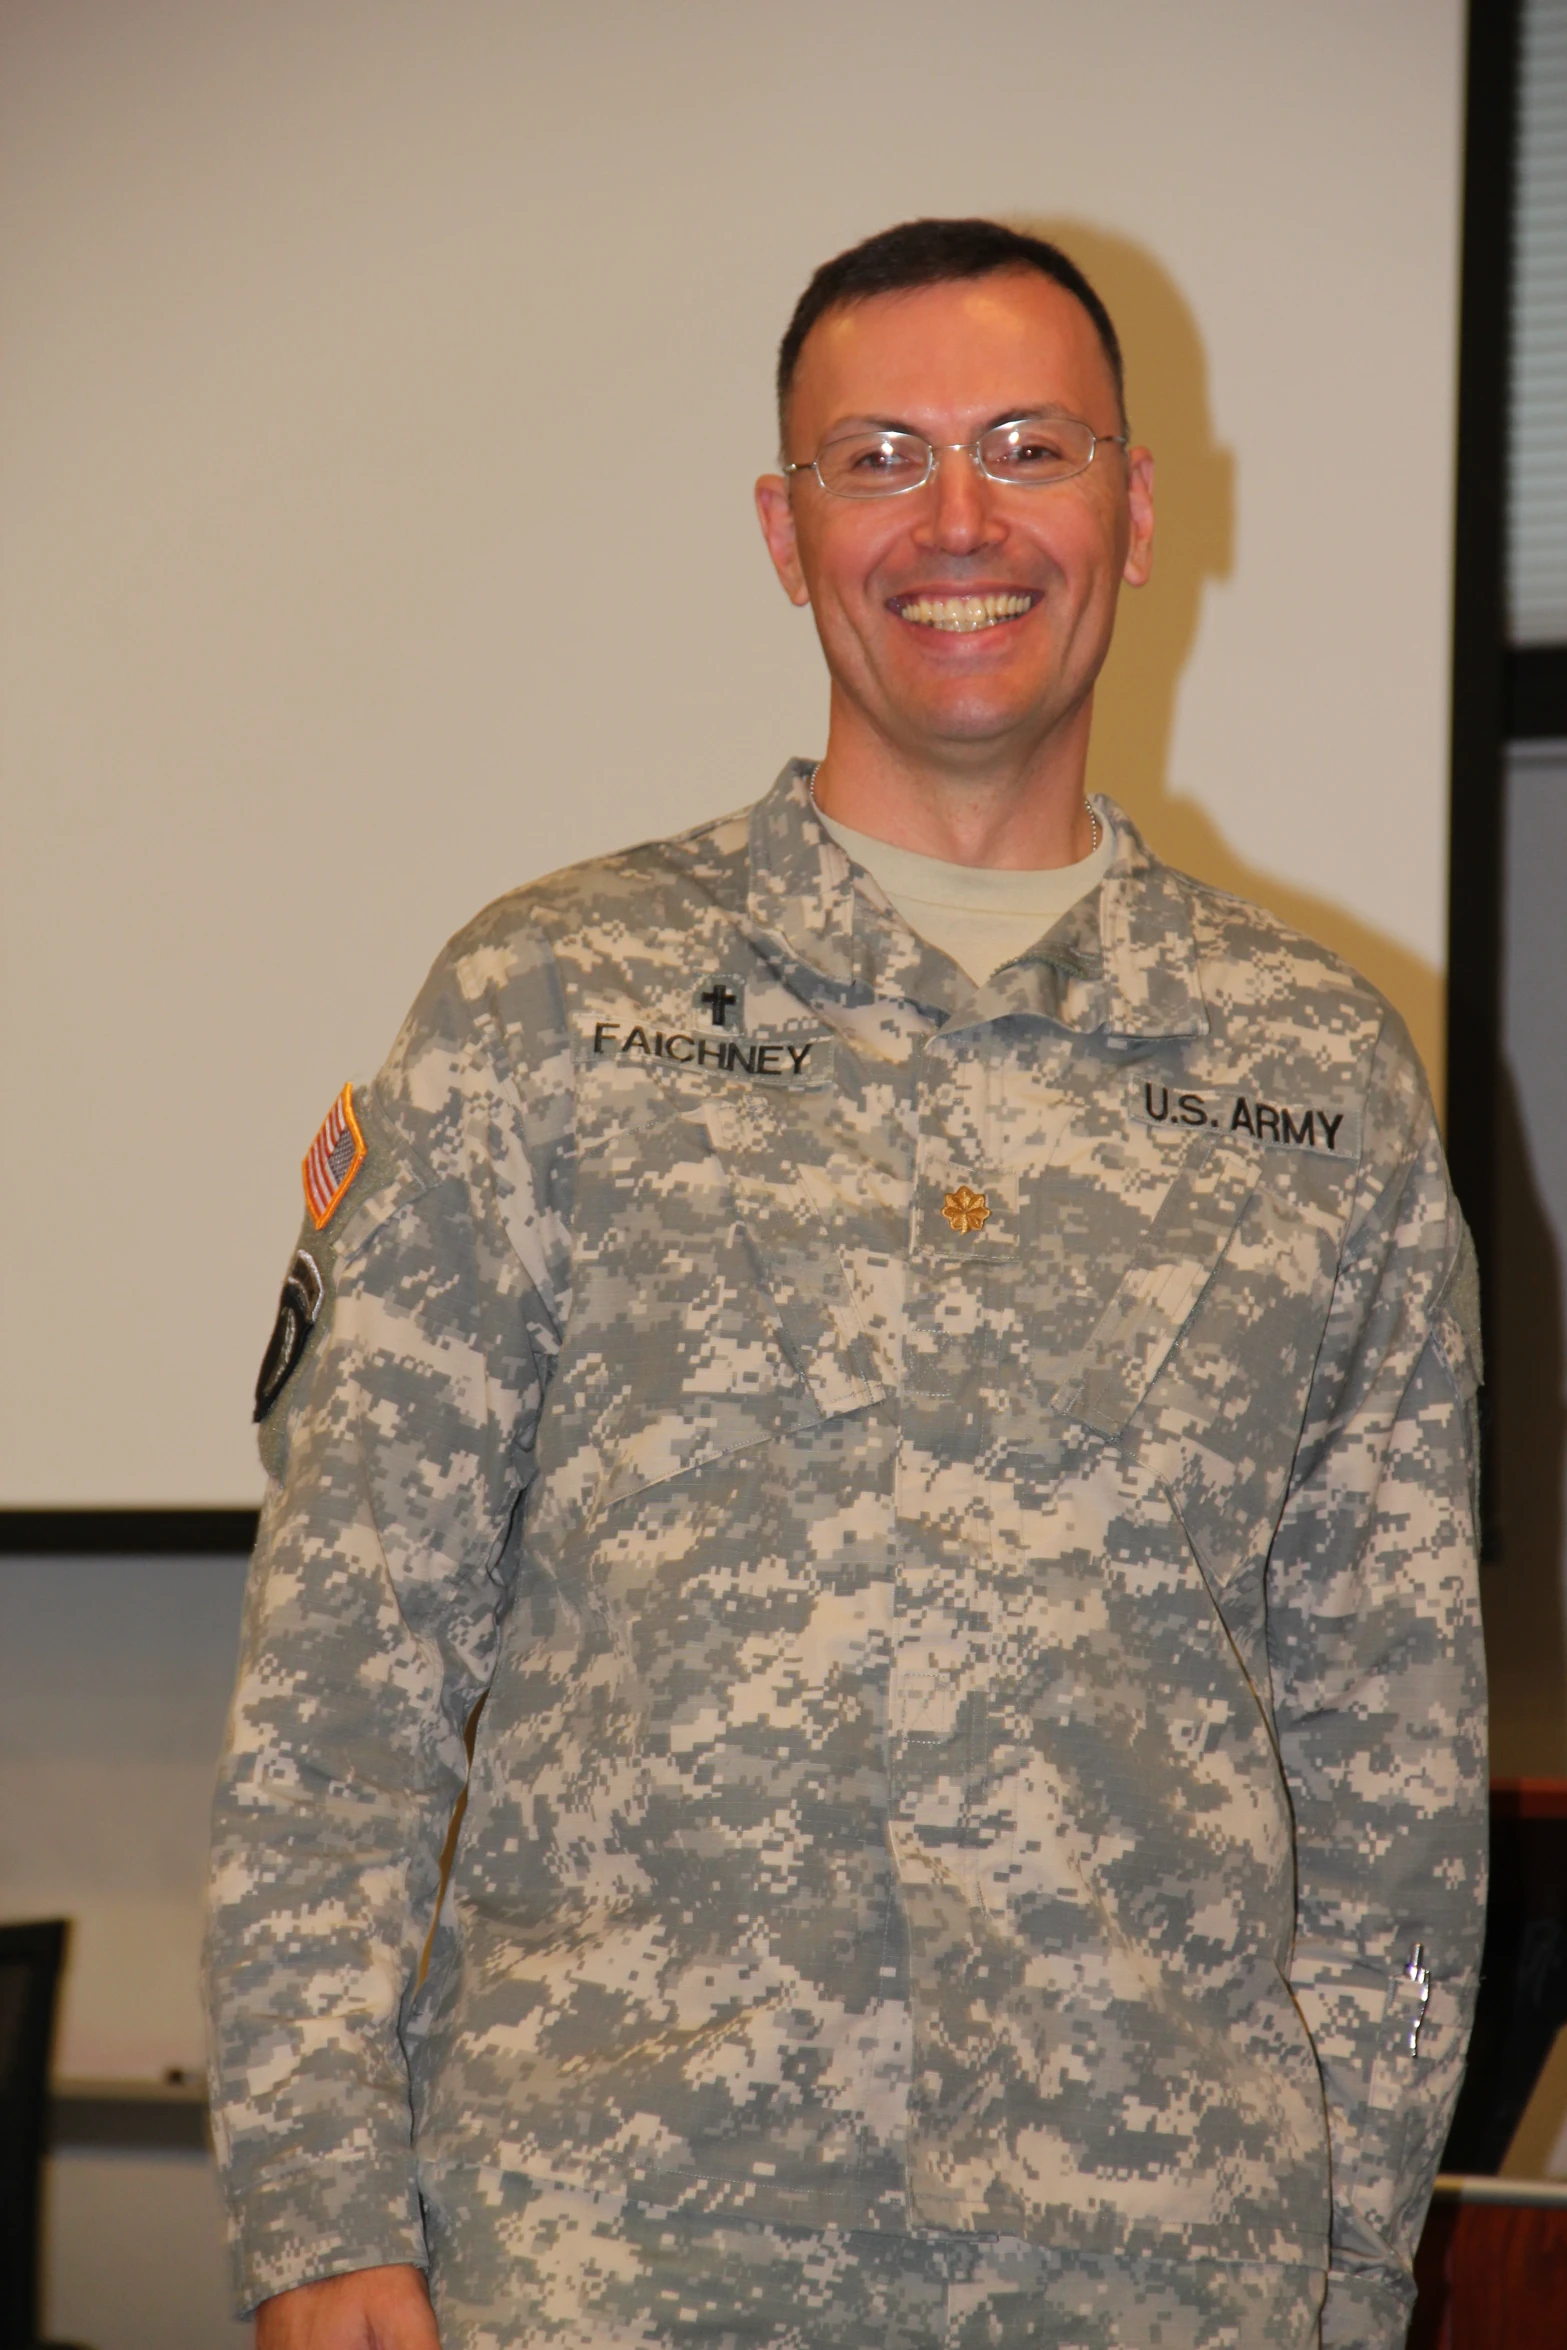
[{"x": 1023, "y": 814}]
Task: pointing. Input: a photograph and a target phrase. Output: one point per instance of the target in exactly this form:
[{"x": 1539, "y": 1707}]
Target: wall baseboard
[
  {"x": 131, "y": 1533},
  {"x": 162, "y": 2116}
]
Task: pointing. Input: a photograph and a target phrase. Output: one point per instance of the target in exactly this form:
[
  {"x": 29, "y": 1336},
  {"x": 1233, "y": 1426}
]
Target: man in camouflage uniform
[{"x": 957, "y": 1496}]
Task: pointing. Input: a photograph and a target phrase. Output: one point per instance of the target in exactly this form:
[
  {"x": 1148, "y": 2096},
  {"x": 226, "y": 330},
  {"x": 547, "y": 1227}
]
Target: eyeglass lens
[{"x": 1029, "y": 452}]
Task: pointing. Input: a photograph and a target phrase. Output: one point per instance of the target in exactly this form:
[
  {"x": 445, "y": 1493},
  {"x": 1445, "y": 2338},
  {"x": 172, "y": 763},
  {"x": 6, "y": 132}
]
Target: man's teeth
[{"x": 961, "y": 612}]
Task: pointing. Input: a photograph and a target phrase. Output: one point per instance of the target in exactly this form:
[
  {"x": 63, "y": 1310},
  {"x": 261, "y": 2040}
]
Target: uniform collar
[{"x": 1123, "y": 959}]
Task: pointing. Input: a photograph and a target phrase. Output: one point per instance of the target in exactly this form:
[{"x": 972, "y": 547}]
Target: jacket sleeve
[
  {"x": 1379, "y": 1688},
  {"x": 397, "y": 1457}
]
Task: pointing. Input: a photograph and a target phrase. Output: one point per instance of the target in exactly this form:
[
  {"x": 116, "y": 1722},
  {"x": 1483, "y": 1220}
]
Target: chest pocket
[
  {"x": 713, "y": 1312},
  {"x": 1160, "y": 1289}
]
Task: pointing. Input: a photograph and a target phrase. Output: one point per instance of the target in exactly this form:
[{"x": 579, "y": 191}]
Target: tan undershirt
[{"x": 980, "y": 915}]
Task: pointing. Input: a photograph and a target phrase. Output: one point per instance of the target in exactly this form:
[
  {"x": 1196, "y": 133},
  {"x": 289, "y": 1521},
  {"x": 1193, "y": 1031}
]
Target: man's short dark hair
[{"x": 931, "y": 253}]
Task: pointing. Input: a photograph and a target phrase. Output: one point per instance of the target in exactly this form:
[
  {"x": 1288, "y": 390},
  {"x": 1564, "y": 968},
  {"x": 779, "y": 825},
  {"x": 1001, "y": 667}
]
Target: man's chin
[
  {"x": 969, "y": 691},
  {"x": 968, "y": 722}
]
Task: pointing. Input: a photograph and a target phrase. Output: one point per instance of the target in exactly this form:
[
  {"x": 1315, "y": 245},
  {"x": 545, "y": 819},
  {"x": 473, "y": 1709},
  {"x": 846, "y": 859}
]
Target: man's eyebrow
[
  {"x": 1010, "y": 415},
  {"x": 1014, "y": 415},
  {"x": 873, "y": 424}
]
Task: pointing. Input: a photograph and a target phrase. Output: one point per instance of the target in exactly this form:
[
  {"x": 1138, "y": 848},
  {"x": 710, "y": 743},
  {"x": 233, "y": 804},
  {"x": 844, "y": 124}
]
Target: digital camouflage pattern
[
  {"x": 978, "y": 1719},
  {"x": 559, "y": 2269}
]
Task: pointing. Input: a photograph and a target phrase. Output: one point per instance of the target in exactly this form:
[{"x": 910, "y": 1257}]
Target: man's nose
[{"x": 960, "y": 511}]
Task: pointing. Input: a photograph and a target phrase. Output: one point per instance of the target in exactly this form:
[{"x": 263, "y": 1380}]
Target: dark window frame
[
  {"x": 1487, "y": 683},
  {"x": 1537, "y": 693}
]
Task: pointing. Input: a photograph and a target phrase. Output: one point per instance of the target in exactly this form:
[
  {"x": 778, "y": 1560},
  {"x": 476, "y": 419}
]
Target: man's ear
[
  {"x": 1139, "y": 498},
  {"x": 776, "y": 516}
]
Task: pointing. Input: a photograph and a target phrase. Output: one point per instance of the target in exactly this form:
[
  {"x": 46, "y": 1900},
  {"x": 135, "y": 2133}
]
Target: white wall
[
  {"x": 135, "y": 2253},
  {"x": 383, "y": 385},
  {"x": 114, "y": 1680}
]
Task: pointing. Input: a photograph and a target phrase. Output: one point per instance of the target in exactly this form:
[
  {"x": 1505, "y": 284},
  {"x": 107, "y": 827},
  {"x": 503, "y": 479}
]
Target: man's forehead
[{"x": 972, "y": 347}]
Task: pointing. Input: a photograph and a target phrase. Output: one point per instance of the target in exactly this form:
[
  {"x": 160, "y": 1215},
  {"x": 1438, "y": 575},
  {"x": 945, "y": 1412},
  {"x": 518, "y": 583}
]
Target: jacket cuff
[
  {"x": 1364, "y": 2312},
  {"x": 297, "y": 2225}
]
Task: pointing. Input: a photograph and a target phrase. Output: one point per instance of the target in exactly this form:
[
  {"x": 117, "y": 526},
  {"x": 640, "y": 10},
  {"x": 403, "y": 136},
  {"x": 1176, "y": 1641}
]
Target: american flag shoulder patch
[{"x": 333, "y": 1159}]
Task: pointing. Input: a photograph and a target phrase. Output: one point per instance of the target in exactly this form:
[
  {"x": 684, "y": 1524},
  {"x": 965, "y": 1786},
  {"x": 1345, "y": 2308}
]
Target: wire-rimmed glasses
[{"x": 1027, "y": 452}]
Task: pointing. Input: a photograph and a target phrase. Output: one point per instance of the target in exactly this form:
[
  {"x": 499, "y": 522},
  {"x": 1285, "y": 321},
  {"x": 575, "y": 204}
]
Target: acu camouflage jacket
[{"x": 984, "y": 1718}]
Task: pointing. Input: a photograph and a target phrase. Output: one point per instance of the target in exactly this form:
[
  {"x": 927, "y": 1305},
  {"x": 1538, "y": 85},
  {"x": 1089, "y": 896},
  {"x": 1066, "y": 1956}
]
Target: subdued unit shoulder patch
[
  {"x": 297, "y": 1309},
  {"x": 333, "y": 1159}
]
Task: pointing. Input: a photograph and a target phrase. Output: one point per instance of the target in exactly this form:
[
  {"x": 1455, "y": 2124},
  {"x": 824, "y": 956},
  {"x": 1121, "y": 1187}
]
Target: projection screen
[{"x": 383, "y": 386}]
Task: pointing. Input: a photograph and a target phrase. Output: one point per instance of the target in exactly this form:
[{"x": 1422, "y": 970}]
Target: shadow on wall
[
  {"x": 1167, "y": 373},
  {"x": 1522, "y": 1594}
]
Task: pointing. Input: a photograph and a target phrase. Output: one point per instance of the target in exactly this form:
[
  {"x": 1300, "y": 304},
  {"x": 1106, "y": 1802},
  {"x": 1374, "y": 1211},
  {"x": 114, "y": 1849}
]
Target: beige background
[{"x": 383, "y": 384}]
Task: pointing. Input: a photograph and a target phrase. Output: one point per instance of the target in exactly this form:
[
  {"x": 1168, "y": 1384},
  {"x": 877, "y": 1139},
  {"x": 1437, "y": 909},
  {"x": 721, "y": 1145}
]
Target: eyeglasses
[{"x": 1029, "y": 453}]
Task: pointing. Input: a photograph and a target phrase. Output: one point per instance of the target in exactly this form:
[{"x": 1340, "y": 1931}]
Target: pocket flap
[
  {"x": 1161, "y": 1286},
  {"x": 795, "y": 1256}
]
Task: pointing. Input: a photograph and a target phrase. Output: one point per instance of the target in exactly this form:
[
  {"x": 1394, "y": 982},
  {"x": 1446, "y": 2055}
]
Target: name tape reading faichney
[{"x": 731, "y": 1056}]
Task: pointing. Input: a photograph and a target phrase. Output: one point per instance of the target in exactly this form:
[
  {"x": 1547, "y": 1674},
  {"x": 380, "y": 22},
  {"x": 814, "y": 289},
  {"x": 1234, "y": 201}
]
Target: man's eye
[
  {"x": 870, "y": 464},
  {"x": 882, "y": 457},
  {"x": 1032, "y": 449}
]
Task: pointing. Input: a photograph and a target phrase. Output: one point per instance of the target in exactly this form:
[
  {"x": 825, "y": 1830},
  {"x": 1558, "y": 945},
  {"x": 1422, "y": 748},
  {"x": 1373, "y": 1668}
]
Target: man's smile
[{"x": 964, "y": 613}]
